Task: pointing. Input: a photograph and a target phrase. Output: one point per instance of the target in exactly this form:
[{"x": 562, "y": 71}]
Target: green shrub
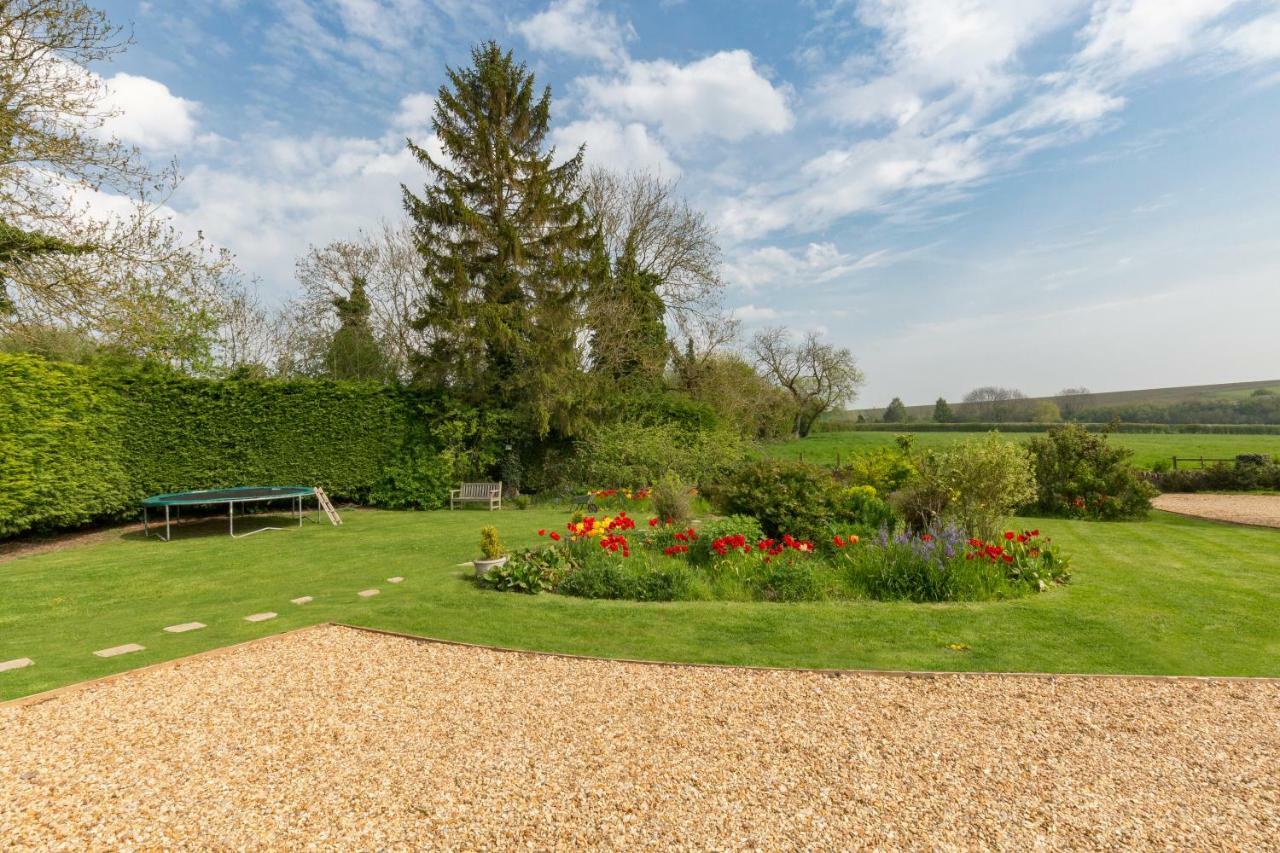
[
  {"x": 490, "y": 544},
  {"x": 800, "y": 499},
  {"x": 714, "y": 529},
  {"x": 886, "y": 469},
  {"x": 1081, "y": 475},
  {"x": 672, "y": 500},
  {"x": 978, "y": 483},
  {"x": 1221, "y": 477},
  {"x": 785, "y": 497},
  {"x": 418, "y": 478},
  {"x": 629, "y": 453},
  {"x": 861, "y": 507},
  {"x": 635, "y": 578},
  {"x": 529, "y": 572},
  {"x": 786, "y": 577}
]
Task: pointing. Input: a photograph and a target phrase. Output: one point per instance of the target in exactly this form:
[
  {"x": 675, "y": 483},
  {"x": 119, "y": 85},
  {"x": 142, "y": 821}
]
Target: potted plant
[{"x": 491, "y": 547}]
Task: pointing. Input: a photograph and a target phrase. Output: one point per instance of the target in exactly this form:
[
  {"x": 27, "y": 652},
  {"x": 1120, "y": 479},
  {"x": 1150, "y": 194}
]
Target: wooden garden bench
[{"x": 490, "y": 493}]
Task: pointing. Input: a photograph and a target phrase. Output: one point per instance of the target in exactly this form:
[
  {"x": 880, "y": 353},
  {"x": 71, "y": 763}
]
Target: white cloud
[
  {"x": 817, "y": 263},
  {"x": 1258, "y": 40},
  {"x": 415, "y": 113},
  {"x": 960, "y": 55},
  {"x": 722, "y": 95},
  {"x": 150, "y": 116},
  {"x": 578, "y": 28},
  {"x": 752, "y": 314},
  {"x": 1073, "y": 105},
  {"x": 617, "y": 146},
  {"x": 1131, "y": 36}
]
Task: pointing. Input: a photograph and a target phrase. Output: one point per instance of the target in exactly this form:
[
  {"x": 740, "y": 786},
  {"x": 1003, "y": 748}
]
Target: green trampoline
[{"x": 239, "y": 495}]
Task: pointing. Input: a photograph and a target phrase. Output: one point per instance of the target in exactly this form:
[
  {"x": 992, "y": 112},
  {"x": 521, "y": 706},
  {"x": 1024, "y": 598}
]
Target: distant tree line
[{"x": 995, "y": 404}]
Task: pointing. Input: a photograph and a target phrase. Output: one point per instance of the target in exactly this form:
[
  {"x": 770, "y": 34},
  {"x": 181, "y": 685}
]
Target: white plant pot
[{"x": 483, "y": 566}]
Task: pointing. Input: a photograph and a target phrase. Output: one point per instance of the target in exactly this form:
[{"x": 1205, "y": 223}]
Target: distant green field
[
  {"x": 1147, "y": 448},
  {"x": 1156, "y": 396}
]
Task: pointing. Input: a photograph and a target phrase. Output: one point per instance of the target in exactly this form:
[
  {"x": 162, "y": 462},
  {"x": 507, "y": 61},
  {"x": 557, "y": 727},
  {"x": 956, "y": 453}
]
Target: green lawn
[
  {"x": 1147, "y": 447},
  {"x": 1170, "y": 595}
]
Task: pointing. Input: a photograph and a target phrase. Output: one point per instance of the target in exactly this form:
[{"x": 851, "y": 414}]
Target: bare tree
[
  {"x": 246, "y": 335},
  {"x": 700, "y": 338},
  {"x": 642, "y": 217},
  {"x": 392, "y": 271},
  {"x": 817, "y": 375},
  {"x": 84, "y": 244},
  {"x": 993, "y": 403}
]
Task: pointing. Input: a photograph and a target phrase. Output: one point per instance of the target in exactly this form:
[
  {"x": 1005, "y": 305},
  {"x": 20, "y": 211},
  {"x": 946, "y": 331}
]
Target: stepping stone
[
  {"x": 260, "y": 617},
  {"x": 368, "y": 593},
  {"x": 185, "y": 627},
  {"x": 15, "y": 664},
  {"x": 306, "y": 599},
  {"x": 127, "y": 648},
  {"x": 395, "y": 580}
]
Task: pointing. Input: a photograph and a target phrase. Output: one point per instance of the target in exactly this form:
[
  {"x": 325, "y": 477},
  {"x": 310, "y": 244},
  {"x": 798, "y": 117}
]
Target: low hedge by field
[
  {"x": 1020, "y": 426},
  {"x": 79, "y": 444}
]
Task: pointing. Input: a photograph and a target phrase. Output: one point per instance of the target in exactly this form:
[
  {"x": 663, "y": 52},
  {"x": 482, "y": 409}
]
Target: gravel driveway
[
  {"x": 340, "y": 738},
  {"x": 1241, "y": 509}
]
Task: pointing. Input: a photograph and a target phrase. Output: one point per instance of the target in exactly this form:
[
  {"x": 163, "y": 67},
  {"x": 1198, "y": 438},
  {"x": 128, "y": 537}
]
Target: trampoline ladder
[{"x": 327, "y": 506}]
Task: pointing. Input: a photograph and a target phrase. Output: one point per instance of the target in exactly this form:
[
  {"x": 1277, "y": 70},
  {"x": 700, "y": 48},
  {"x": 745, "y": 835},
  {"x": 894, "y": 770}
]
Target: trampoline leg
[
  {"x": 231, "y": 516},
  {"x": 146, "y": 531},
  {"x": 167, "y": 535}
]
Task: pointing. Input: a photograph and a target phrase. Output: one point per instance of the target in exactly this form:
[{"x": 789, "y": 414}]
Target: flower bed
[{"x": 614, "y": 556}]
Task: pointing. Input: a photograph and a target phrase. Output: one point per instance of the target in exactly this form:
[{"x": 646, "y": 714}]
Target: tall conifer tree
[
  {"x": 354, "y": 352},
  {"x": 506, "y": 245}
]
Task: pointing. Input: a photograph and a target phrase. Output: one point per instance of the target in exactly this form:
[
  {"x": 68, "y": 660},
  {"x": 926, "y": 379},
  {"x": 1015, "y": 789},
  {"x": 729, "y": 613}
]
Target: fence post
[{"x": 1175, "y": 462}]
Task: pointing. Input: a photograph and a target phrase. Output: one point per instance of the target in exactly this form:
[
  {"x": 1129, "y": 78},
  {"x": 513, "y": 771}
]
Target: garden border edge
[
  {"x": 891, "y": 673},
  {"x": 54, "y": 693}
]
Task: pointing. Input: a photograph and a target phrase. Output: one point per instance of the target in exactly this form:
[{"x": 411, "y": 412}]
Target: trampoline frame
[{"x": 295, "y": 497}]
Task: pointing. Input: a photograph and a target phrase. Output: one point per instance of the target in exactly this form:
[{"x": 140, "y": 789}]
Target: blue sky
[{"x": 963, "y": 192}]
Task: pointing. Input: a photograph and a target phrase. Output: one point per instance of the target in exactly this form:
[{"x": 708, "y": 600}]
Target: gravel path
[
  {"x": 1241, "y": 509},
  {"x": 340, "y": 738}
]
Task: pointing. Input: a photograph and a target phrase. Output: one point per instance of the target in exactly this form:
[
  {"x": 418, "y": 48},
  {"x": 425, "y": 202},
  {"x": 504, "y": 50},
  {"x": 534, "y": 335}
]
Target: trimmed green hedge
[
  {"x": 79, "y": 444},
  {"x": 1018, "y": 426},
  {"x": 60, "y": 460}
]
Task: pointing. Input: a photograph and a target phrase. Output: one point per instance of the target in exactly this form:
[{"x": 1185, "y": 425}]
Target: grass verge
[{"x": 1167, "y": 596}]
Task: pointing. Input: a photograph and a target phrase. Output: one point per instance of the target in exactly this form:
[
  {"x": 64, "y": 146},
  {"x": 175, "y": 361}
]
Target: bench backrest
[{"x": 478, "y": 490}]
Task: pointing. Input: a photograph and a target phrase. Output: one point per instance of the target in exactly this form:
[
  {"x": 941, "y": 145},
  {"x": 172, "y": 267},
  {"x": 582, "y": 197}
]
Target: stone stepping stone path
[
  {"x": 396, "y": 579},
  {"x": 260, "y": 617},
  {"x": 368, "y": 593},
  {"x": 127, "y": 648},
  {"x": 185, "y": 627},
  {"x": 17, "y": 663},
  {"x": 306, "y": 599}
]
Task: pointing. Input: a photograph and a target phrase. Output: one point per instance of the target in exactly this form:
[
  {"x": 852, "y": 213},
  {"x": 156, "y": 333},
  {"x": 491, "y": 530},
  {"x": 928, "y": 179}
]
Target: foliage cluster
[
  {"x": 85, "y": 443},
  {"x": 1246, "y": 473},
  {"x": 798, "y": 499},
  {"x": 631, "y": 453},
  {"x": 1081, "y": 475},
  {"x": 976, "y": 484}
]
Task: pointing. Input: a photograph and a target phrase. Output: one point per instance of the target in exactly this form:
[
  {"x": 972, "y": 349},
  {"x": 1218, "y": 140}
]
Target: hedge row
[
  {"x": 79, "y": 444},
  {"x": 1019, "y": 426}
]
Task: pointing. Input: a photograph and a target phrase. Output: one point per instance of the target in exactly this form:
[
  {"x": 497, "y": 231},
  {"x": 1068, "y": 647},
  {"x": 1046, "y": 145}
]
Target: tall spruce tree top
[
  {"x": 506, "y": 245},
  {"x": 354, "y": 352}
]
